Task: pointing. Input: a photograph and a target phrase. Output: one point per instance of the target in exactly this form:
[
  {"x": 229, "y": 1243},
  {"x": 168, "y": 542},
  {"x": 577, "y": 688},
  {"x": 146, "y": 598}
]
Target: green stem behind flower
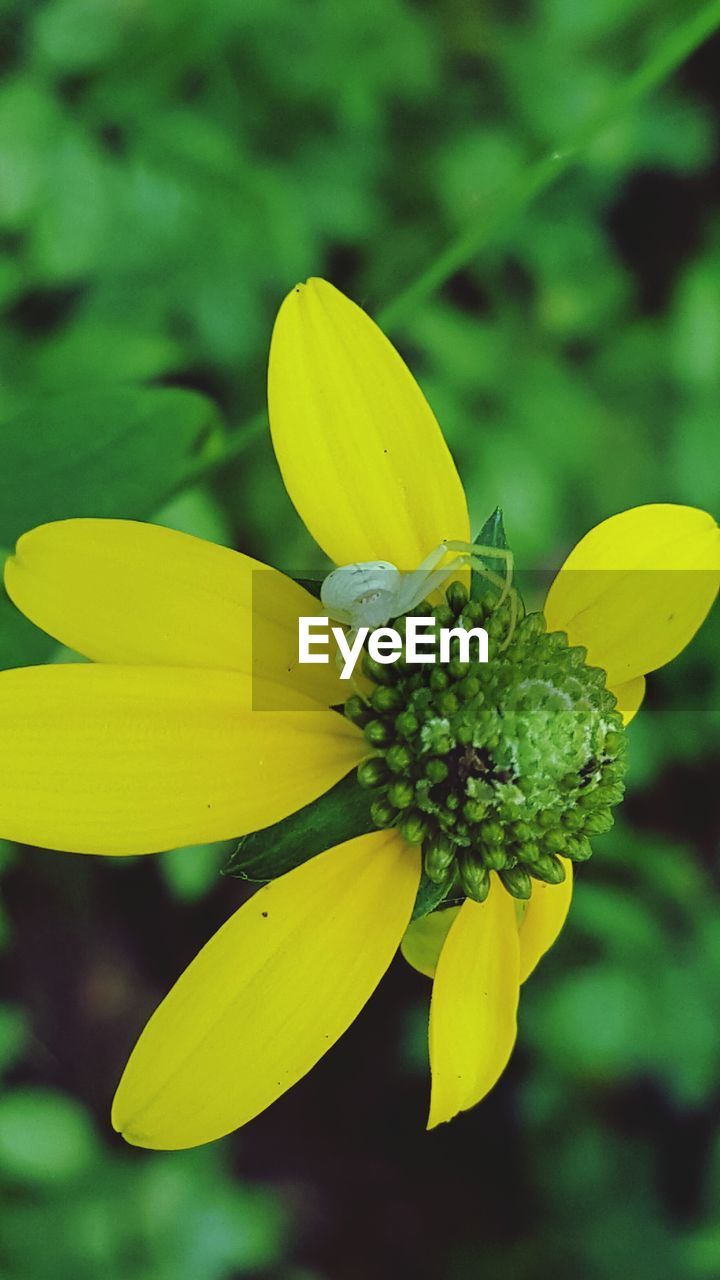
[
  {"x": 514, "y": 198},
  {"x": 509, "y": 202}
]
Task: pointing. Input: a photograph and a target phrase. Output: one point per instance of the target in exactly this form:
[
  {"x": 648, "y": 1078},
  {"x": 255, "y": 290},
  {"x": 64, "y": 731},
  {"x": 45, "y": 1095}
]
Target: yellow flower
[{"x": 157, "y": 742}]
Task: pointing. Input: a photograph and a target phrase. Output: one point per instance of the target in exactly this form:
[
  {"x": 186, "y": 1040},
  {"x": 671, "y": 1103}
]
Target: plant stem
[
  {"x": 228, "y": 448},
  {"x": 510, "y": 201}
]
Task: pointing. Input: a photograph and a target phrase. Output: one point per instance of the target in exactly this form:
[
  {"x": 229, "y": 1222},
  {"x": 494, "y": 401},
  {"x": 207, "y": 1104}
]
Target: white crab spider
[{"x": 372, "y": 592}]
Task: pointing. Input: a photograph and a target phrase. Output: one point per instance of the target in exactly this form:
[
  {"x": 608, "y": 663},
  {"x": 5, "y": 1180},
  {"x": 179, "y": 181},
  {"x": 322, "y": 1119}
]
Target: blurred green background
[{"x": 167, "y": 171}]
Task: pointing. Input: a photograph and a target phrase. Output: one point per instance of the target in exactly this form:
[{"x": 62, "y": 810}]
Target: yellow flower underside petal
[
  {"x": 630, "y": 697},
  {"x": 120, "y": 760},
  {"x": 424, "y": 939},
  {"x": 637, "y": 587},
  {"x": 473, "y": 1012},
  {"x": 361, "y": 454},
  {"x": 544, "y": 917},
  {"x": 268, "y": 995},
  {"x": 125, "y": 592}
]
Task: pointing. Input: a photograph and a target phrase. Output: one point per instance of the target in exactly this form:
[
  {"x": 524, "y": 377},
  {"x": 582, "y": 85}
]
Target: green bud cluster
[{"x": 505, "y": 766}]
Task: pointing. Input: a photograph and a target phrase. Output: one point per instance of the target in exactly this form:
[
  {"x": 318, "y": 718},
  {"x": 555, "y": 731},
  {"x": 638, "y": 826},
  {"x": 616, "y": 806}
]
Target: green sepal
[
  {"x": 118, "y": 450},
  {"x": 339, "y": 815},
  {"x": 431, "y": 895},
  {"x": 492, "y": 534},
  {"x": 312, "y": 585}
]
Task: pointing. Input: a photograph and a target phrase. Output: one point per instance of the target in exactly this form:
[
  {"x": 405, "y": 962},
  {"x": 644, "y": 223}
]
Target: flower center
[{"x": 503, "y": 766}]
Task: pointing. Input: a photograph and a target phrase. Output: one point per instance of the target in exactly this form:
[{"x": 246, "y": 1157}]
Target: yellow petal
[
  {"x": 126, "y": 592},
  {"x": 361, "y": 454},
  {"x": 473, "y": 1013},
  {"x": 268, "y": 995},
  {"x": 637, "y": 587},
  {"x": 630, "y": 697},
  {"x": 116, "y": 760},
  {"x": 543, "y": 919},
  {"x": 424, "y": 939}
]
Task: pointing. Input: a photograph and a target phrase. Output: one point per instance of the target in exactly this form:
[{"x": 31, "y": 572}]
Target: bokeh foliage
[{"x": 167, "y": 171}]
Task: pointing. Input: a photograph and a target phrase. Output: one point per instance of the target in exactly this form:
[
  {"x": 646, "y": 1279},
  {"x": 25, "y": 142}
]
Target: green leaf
[
  {"x": 115, "y": 452},
  {"x": 492, "y": 534},
  {"x": 14, "y": 1035},
  {"x": 21, "y": 644},
  {"x": 312, "y": 585},
  {"x": 44, "y": 1137},
  {"x": 429, "y": 896},
  {"x": 341, "y": 814},
  {"x": 74, "y": 36},
  {"x": 191, "y": 872}
]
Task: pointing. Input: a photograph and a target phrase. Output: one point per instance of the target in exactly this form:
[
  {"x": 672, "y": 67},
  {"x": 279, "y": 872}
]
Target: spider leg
[
  {"x": 435, "y": 556},
  {"x": 436, "y": 579},
  {"x": 513, "y": 619},
  {"x": 427, "y": 577},
  {"x": 414, "y": 586},
  {"x": 496, "y": 579},
  {"x": 339, "y": 660},
  {"x": 430, "y": 581},
  {"x": 474, "y": 553},
  {"x": 507, "y": 591}
]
